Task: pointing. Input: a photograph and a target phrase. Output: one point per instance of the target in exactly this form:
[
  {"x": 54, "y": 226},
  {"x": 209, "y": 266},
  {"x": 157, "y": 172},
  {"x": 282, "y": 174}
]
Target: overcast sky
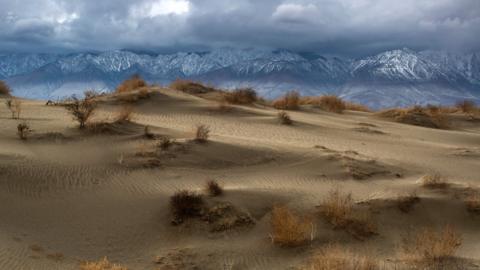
[{"x": 353, "y": 27}]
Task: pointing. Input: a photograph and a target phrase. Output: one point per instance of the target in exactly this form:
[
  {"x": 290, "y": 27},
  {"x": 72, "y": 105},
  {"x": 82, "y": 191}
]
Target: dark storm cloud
[{"x": 352, "y": 27}]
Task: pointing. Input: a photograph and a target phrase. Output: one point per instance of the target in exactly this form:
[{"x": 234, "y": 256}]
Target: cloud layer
[{"x": 354, "y": 27}]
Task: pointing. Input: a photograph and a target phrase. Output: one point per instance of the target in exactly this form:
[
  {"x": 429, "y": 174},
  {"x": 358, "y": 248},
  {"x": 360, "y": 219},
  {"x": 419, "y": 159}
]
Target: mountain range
[{"x": 400, "y": 77}]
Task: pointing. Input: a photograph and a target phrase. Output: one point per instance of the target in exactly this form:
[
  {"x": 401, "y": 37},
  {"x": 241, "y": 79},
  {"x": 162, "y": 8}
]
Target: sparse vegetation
[
  {"x": 214, "y": 188},
  {"x": 291, "y": 101},
  {"x": 186, "y": 204},
  {"x": 23, "y": 131},
  {"x": 289, "y": 229},
  {"x": 241, "y": 96},
  {"x": 103, "y": 264},
  {"x": 284, "y": 118},
  {"x": 431, "y": 248},
  {"x": 357, "y": 107},
  {"x": 466, "y": 106},
  {"x": 433, "y": 180},
  {"x": 81, "y": 109},
  {"x": 129, "y": 85},
  {"x": 335, "y": 257},
  {"x": 191, "y": 87},
  {"x": 15, "y": 107},
  {"x": 202, "y": 133},
  {"x": 338, "y": 208},
  {"x": 419, "y": 116},
  {"x": 406, "y": 203},
  {"x": 124, "y": 114},
  {"x": 4, "y": 88}
]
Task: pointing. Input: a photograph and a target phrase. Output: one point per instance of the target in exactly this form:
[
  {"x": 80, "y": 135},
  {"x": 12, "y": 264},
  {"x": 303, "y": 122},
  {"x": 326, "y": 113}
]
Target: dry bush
[
  {"x": 466, "y": 106},
  {"x": 357, "y": 107},
  {"x": 214, "y": 188},
  {"x": 432, "y": 248},
  {"x": 433, "y": 180},
  {"x": 191, "y": 87},
  {"x": 332, "y": 103},
  {"x": 186, "y": 204},
  {"x": 23, "y": 130},
  {"x": 4, "y": 88},
  {"x": 289, "y": 229},
  {"x": 202, "y": 133},
  {"x": 472, "y": 202},
  {"x": 81, "y": 109},
  {"x": 289, "y": 101},
  {"x": 165, "y": 143},
  {"x": 335, "y": 257},
  {"x": 90, "y": 94},
  {"x": 124, "y": 114},
  {"x": 131, "y": 84},
  {"x": 338, "y": 210},
  {"x": 241, "y": 96},
  {"x": 103, "y": 264},
  {"x": 284, "y": 118},
  {"x": 15, "y": 107},
  {"x": 426, "y": 117}
]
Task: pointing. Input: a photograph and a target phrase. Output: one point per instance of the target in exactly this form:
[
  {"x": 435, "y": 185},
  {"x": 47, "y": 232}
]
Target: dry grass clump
[
  {"x": 335, "y": 257},
  {"x": 124, "y": 114},
  {"x": 330, "y": 103},
  {"x": 431, "y": 248},
  {"x": 103, "y": 264},
  {"x": 191, "y": 87},
  {"x": 432, "y": 117},
  {"x": 4, "y": 88},
  {"x": 289, "y": 229},
  {"x": 134, "y": 83},
  {"x": 433, "y": 180},
  {"x": 338, "y": 210},
  {"x": 201, "y": 134},
  {"x": 23, "y": 130},
  {"x": 214, "y": 188},
  {"x": 290, "y": 101},
  {"x": 14, "y": 105},
  {"x": 284, "y": 118},
  {"x": 241, "y": 96},
  {"x": 81, "y": 109},
  {"x": 185, "y": 204}
]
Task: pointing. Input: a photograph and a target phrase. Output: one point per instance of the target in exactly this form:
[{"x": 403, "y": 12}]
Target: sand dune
[{"x": 68, "y": 196}]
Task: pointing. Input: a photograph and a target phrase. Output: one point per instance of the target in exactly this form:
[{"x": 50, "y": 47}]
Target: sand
[{"x": 68, "y": 196}]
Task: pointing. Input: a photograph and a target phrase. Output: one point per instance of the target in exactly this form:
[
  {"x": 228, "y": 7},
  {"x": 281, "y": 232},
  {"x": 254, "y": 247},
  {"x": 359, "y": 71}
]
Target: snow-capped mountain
[{"x": 392, "y": 78}]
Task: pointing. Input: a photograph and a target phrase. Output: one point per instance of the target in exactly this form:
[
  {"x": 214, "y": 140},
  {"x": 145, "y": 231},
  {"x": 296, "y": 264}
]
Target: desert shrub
[
  {"x": 165, "y": 143},
  {"x": 15, "y": 107},
  {"x": 335, "y": 257},
  {"x": 124, "y": 114},
  {"x": 131, "y": 84},
  {"x": 103, "y": 264},
  {"x": 4, "y": 88},
  {"x": 202, "y": 133},
  {"x": 331, "y": 103},
  {"x": 289, "y": 101},
  {"x": 289, "y": 229},
  {"x": 23, "y": 130},
  {"x": 241, "y": 96},
  {"x": 191, "y": 87},
  {"x": 284, "y": 118},
  {"x": 466, "y": 106},
  {"x": 186, "y": 204},
  {"x": 90, "y": 94},
  {"x": 430, "y": 247},
  {"x": 81, "y": 109},
  {"x": 433, "y": 180},
  {"x": 338, "y": 208},
  {"x": 419, "y": 116},
  {"x": 214, "y": 188},
  {"x": 357, "y": 107}
]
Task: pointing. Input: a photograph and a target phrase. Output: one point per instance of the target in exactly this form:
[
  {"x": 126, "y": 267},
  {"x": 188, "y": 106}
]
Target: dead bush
[
  {"x": 284, "y": 118},
  {"x": 433, "y": 180},
  {"x": 14, "y": 105},
  {"x": 124, "y": 114},
  {"x": 331, "y": 103},
  {"x": 466, "y": 106},
  {"x": 289, "y": 101},
  {"x": 419, "y": 116},
  {"x": 81, "y": 109},
  {"x": 241, "y": 96},
  {"x": 185, "y": 204},
  {"x": 338, "y": 208},
  {"x": 202, "y": 133},
  {"x": 103, "y": 264},
  {"x": 214, "y": 188},
  {"x": 5, "y": 89},
  {"x": 191, "y": 87},
  {"x": 335, "y": 257},
  {"x": 129, "y": 85},
  {"x": 23, "y": 130},
  {"x": 289, "y": 229},
  {"x": 431, "y": 248}
]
